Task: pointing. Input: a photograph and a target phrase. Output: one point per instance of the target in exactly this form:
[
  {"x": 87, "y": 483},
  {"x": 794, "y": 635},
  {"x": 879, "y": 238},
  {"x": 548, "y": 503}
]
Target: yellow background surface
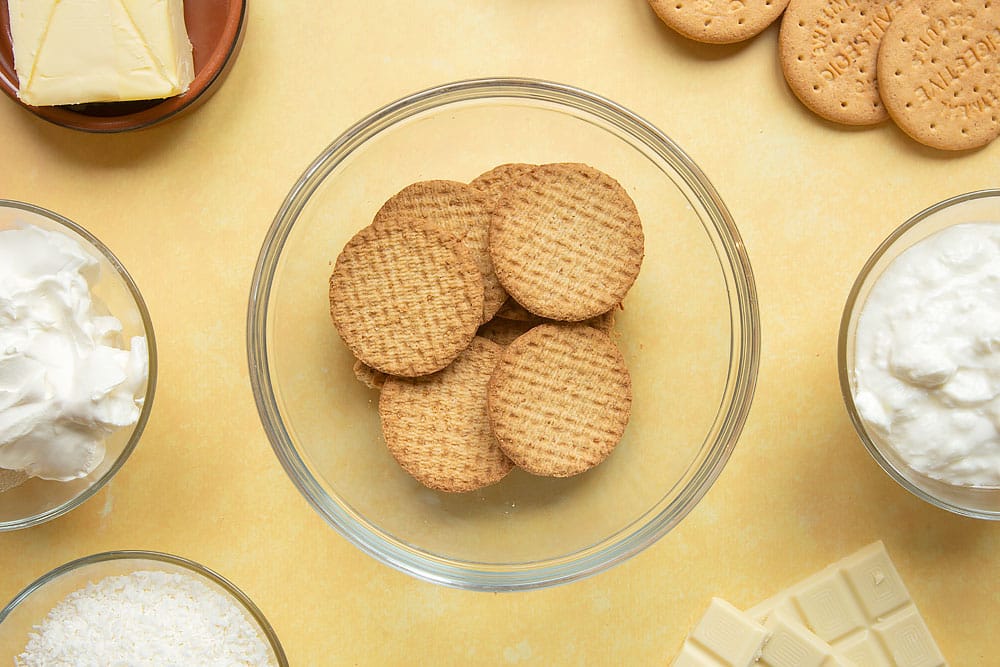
[{"x": 186, "y": 207}]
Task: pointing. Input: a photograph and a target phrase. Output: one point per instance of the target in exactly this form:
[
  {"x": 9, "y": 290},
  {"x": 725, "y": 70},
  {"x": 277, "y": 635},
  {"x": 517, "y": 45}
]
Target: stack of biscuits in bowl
[{"x": 483, "y": 311}]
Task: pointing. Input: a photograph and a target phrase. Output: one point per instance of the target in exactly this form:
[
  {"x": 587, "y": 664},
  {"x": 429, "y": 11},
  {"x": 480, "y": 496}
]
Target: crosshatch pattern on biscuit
[
  {"x": 406, "y": 298},
  {"x": 461, "y": 210},
  {"x": 494, "y": 181},
  {"x": 566, "y": 241},
  {"x": 560, "y": 399},
  {"x": 503, "y": 331},
  {"x": 437, "y": 426}
]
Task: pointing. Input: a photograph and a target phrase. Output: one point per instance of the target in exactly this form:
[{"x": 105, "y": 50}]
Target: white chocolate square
[
  {"x": 724, "y": 637},
  {"x": 877, "y": 584},
  {"x": 792, "y": 645},
  {"x": 909, "y": 640},
  {"x": 830, "y": 609},
  {"x": 866, "y": 650}
]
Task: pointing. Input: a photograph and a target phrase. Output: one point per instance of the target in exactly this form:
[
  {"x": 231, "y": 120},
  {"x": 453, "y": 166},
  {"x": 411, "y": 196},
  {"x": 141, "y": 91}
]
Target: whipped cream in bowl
[
  {"x": 77, "y": 365},
  {"x": 919, "y": 355}
]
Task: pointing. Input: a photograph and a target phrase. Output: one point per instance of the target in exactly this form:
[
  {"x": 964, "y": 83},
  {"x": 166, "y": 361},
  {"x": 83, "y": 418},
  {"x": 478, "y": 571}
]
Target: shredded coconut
[{"x": 146, "y": 618}]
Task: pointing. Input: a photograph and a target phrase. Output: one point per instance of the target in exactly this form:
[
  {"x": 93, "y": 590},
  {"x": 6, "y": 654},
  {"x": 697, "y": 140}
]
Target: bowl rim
[
  {"x": 739, "y": 389},
  {"x": 159, "y": 557},
  {"x": 147, "y": 407},
  {"x": 844, "y": 340}
]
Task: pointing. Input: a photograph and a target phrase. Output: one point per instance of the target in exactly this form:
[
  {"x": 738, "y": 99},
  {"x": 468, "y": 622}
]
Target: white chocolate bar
[
  {"x": 860, "y": 607},
  {"x": 724, "y": 637},
  {"x": 792, "y": 645}
]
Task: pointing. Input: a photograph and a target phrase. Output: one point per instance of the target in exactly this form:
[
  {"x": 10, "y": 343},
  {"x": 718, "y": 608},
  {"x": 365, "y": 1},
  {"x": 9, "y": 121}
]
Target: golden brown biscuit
[
  {"x": 604, "y": 323},
  {"x": 560, "y": 399},
  {"x": 504, "y": 332},
  {"x": 939, "y": 72},
  {"x": 437, "y": 426},
  {"x": 405, "y": 297},
  {"x": 512, "y": 310},
  {"x": 566, "y": 241},
  {"x": 494, "y": 181},
  {"x": 828, "y": 52},
  {"x": 461, "y": 210},
  {"x": 368, "y": 376},
  {"x": 718, "y": 21}
]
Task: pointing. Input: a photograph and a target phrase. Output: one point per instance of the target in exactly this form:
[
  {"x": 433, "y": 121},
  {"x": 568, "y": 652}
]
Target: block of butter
[{"x": 75, "y": 51}]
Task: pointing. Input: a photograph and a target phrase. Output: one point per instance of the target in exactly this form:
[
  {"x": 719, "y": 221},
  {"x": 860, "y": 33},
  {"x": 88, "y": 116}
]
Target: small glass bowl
[
  {"x": 36, "y": 500},
  {"x": 979, "y": 206},
  {"x": 689, "y": 332},
  {"x": 32, "y": 605}
]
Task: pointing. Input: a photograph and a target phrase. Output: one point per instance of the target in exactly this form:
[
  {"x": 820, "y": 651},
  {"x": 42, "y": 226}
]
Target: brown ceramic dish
[{"x": 215, "y": 28}]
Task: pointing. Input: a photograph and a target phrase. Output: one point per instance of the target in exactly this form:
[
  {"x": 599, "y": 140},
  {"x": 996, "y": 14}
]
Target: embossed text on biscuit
[
  {"x": 945, "y": 83},
  {"x": 863, "y": 42}
]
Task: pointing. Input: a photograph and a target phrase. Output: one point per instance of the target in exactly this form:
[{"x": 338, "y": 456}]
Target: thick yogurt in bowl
[
  {"x": 927, "y": 356},
  {"x": 77, "y": 365},
  {"x": 920, "y": 354},
  {"x": 66, "y": 377}
]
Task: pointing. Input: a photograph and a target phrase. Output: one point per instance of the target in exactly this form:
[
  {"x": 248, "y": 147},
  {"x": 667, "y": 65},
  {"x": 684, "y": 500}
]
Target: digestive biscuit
[
  {"x": 566, "y": 241},
  {"x": 464, "y": 212},
  {"x": 560, "y": 399},
  {"x": 828, "y": 51},
  {"x": 405, "y": 297},
  {"x": 718, "y": 21},
  {"x": 437, "y": 426},
  {"x": 939, "y": 72}
]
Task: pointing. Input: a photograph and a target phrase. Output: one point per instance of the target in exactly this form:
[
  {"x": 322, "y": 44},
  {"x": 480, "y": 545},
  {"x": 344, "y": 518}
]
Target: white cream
[
  {"x": 927, "y": 356},
  {"x": 65, "y": 381}
]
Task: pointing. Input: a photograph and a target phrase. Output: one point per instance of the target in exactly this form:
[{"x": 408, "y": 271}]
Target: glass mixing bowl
[
  {"x": 36, "y": 500},
  {"x": 32, "y": 605},
  {"x": 980, "y": 206},
  {"x": 689, "y": 332}
]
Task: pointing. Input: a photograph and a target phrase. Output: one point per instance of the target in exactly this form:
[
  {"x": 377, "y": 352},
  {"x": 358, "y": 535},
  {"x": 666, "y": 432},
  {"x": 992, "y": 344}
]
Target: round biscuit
[
  {"x": 437, "y": 426},
  {"x": 405, "y": 297},
  {"x": 718, "y": 21},
  {"x": 828, "y": 52},
  {"x": 566, "y": 241},
  {"x": 939, "y": 72},
  {"x": 494, "y": 181},
  {"x": 461, "y": 210},
  {"x": 560, "y": 399}
]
